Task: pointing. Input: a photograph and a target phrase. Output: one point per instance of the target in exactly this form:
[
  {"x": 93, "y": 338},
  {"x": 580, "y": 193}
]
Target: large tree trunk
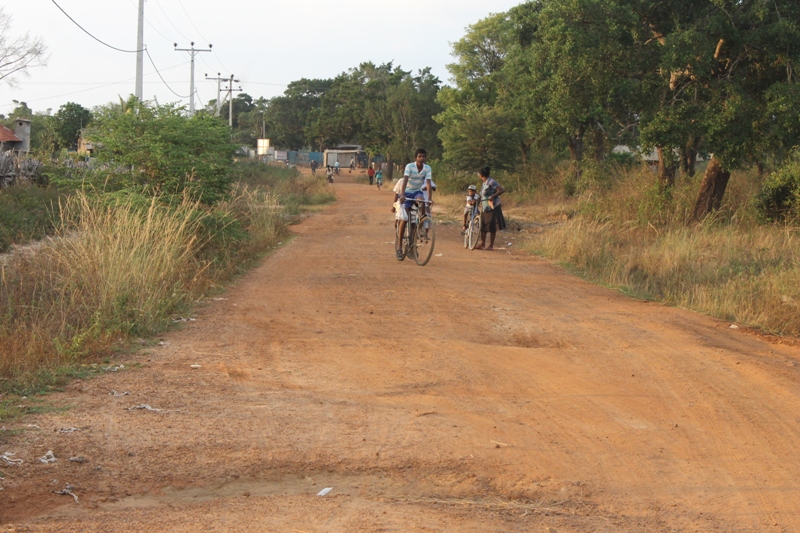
[
  {"x": 689, "y": 156},
  {"x": 576, "y": 151},
  {"x": 712, "y": 189},
  {"x": 389, "y": 168},
  {"x": 666, "y": 167},
  {"x": 599, "y": 145}
]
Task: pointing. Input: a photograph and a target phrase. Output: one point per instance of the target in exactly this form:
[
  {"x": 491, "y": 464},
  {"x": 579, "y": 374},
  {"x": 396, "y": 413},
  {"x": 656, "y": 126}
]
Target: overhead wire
[
  {"x": 170, "y": 20},
  {"x": 92, "y": 36},
  {"x": 162, "y": 77}
]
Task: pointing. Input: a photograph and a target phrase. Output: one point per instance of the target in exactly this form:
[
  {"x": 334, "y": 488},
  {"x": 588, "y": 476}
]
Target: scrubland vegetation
[{"x": 132, "y": 247}]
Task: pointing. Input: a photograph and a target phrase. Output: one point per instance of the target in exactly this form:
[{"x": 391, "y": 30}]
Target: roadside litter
[
  {"x": 78, "y": 459},
  {"x": 48, "y": 457},
  {"x": 146, "y": 407},
  {"x": 734, "y": 326},
  {"x": 114, "y": 368},
  {"x": 66, "y": 491},
  {"x": 325, "y": 491},
  {"x": 143, "y": 406},
  {"x": 118, "y": 394},
  {"x": 8, "y": 459},
  {"x": 182, "y": 319},
  {"x": 67, "y": 430}
]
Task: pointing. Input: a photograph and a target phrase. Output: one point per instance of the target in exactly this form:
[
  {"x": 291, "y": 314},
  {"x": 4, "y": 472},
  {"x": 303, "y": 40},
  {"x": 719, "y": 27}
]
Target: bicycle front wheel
[
  {"x": 424, "y": 240},
  {"x": 474, "y": 231}
]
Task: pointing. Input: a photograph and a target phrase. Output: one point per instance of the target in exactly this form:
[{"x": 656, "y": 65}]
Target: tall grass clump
[
  {"x": 638, "y": 236},
  {"x": 120, "y": 267}
]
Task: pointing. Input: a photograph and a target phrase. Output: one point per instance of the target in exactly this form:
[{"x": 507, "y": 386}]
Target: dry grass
[
  {"x": 120, "y": 269},
  {"x": 632, "y": 235}
]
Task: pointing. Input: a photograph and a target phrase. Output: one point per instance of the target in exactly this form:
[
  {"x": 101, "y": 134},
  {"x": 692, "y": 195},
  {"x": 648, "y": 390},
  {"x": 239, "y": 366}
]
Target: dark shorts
[{"x": 493, "y": 220}]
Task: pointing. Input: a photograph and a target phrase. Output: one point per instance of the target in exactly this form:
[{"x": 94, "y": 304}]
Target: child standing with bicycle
[{"x": 472, "y": 200}]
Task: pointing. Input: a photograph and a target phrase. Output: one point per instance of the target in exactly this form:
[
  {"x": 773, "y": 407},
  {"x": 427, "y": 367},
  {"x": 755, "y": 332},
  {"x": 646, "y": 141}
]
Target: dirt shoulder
[{"x": 487, "y": 391}]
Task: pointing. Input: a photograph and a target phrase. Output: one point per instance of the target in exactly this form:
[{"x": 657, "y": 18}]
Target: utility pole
[
  {"x": 193, "y": 51},
  {"x": 231, "y": 90},
  {"x": 139, "y": 90},
  {"x": 218, "y": 103}
]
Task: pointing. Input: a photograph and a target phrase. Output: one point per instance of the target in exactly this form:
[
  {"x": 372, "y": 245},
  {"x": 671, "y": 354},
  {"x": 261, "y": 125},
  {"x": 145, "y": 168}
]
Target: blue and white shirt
[{"x": 417, "y": 179}]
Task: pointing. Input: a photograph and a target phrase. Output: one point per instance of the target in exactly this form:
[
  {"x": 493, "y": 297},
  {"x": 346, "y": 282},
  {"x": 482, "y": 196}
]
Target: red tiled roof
[{"x": 6, "y": 135}]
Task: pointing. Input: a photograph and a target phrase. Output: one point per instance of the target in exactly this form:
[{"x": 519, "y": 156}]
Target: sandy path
[{"x": 504, "y": 395}]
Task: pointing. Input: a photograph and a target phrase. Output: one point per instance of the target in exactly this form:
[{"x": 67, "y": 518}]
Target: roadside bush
[
  {"x": 167, "y": 152},
  {"x": 27, "y": 213},
  {"x": 779, "y": 198}
]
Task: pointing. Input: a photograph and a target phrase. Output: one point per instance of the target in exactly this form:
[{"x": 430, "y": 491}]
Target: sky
[{"x": 264, "y": 43}]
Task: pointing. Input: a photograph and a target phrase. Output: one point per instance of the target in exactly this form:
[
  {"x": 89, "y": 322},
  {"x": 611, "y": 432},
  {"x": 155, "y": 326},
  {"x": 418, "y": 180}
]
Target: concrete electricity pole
[
  {"x": 193, "y": 51},
  {"x": 139, "y": 91},
  {"x": 231, "y": 90},
  {"x": 218, "y": 103}
]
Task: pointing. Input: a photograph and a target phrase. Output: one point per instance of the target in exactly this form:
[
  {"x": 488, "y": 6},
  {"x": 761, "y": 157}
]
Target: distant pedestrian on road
[
  {"x": 313, "y": 167},
  {"x": 352, "y": 164},
  {"x": 371, "y": 173},
  {"x": 492, "y": 217},
  {"x": 336, "y": 167},
  {"x": 379, "y": 179}
]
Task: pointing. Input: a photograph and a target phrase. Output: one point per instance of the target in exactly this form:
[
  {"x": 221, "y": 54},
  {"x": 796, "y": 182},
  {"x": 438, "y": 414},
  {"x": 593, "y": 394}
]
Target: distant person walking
[
  {"x": 379, "y": 179},
  {"x": 336, "y": 167},
  {"x": 352, "y": 164},
  {"x": 492, "y": 217},
  {"x": 371, "y": 173},
  {"x": 313, "y": 167}
]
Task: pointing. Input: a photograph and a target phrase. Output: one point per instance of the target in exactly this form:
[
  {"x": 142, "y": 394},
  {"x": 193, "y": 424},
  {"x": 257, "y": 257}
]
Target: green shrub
[
  {"x": 26, "y": 213},
  {"x": 779, "y": 198}
]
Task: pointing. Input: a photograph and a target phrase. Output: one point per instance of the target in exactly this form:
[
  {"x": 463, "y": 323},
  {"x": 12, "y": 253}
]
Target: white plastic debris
[
  {"x": 145, "y": 407},
  {"x": 439, "y": 255},
  {"x": 195, "y": 366},
  {"x": 734, "y": 326},
  {"x": 67, "y": 491},
  {"x": 68, "y": 430},
  {"x": 182, "y": 319},
  {"x": 33, "y": 426},
  {"x": 118, "y": 394},
  {"x": 8, "y": 459},
  {"x": 324, "y": 491},
  {"x": 79, "y": 459},
  {"x": 48, "y": 457}
]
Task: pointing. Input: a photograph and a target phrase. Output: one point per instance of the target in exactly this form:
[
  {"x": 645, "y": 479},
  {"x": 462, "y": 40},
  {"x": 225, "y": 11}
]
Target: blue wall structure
[{"x": 304, "y": 158}]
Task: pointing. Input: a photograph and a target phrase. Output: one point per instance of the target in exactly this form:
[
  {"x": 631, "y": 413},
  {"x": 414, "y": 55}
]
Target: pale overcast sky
[{"x": 264, "y": 43}]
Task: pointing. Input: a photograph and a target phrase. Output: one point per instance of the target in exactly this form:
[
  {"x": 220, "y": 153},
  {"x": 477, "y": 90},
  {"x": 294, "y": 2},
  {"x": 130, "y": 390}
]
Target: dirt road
[{"x": 485, "y": 392}]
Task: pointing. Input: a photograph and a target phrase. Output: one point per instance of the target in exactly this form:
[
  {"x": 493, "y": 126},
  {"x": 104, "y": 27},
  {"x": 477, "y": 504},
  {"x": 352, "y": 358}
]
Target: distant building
[
  {"x": 343, "y": 154},
  {"x": 18, "y": 140}
]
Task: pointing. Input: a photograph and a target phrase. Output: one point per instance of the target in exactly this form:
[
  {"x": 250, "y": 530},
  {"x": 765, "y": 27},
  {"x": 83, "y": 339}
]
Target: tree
[
  {"x": 68, "y": 122},
  {"x": 17, "y": 54},
  {"x": 477, "y": 135},
  {"x": 168, "y": 153}
]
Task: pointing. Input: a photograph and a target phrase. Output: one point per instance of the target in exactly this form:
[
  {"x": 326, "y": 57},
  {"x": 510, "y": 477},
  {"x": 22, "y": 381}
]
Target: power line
[
  {"x": 170, "y": 20},
  {"x": 162, "y": 77},
  {"x": 191, "y": 22},
  {"x": 92, "y": 36}
]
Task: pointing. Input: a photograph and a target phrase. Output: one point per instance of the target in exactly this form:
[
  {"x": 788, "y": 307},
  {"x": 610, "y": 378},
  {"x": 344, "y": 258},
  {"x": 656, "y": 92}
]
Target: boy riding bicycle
[{"x": 416, "y": 176}]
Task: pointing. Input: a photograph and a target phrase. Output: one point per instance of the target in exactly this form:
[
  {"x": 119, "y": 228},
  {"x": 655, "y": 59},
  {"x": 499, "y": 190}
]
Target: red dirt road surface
[{"x": 485, "y": 392}]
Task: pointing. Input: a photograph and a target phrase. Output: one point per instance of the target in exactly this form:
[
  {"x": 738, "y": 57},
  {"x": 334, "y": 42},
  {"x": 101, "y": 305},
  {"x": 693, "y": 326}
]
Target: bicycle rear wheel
[
  {"x": 424, "y": 240},
  {"x": 474, "y": 231}
]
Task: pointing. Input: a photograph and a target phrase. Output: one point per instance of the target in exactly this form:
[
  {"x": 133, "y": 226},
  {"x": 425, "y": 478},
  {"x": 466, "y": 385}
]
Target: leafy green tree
[
  {"x": 477, "y": 135},
  {"x": 167, "y": 152},
  {"x": 68, "y": 122}
]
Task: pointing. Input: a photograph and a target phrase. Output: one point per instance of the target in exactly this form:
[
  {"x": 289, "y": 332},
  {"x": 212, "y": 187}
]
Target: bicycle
[
  {"x": 474, "y": 227},
  {"x": 420, "y": 235}
]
